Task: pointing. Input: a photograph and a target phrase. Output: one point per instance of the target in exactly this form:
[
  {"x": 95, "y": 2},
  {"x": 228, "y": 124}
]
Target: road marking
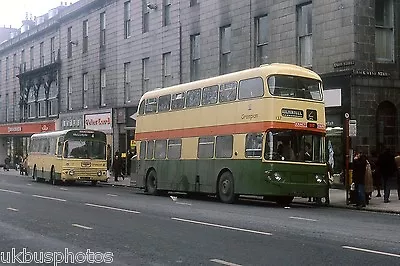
[
  {"x": 223, "y": 226},
  {"x": 10, "y": 191},
  {"x": 29, "y": 184},
  {"x": 224, "y": 262},
  {"x": 110, "y": 208},
  {"x": 12, "y": 209},
  {"x": 62, "y": 188},
  {"x": 372, "y": 251},
  {"x": 304, "y": 219},
  {"x": 50, "y": 198},
  {"x": 112, "y": 195},
  {"x": 82, "y": 226},
  {"x": 184, "y": 203}
]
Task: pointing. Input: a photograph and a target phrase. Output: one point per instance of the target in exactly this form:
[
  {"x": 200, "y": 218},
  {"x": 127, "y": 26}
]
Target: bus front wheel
[
  {"x": 226, "y": 189},
  {"x": 151, "y": 182}
]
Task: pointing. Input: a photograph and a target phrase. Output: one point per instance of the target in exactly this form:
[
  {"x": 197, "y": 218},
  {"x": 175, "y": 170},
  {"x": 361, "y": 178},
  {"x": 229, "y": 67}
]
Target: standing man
[
  {"x": 388, "y": 168},
  {"x": 397, "y": 159}
]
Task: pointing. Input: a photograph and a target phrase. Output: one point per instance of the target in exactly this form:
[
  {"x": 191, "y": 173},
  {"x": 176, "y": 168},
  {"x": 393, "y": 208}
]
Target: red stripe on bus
[{"x": 221, "y": 130}]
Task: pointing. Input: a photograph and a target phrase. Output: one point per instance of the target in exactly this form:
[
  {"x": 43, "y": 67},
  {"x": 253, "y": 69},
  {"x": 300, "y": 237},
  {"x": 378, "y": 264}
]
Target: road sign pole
[{"x": 347, "y": 141}]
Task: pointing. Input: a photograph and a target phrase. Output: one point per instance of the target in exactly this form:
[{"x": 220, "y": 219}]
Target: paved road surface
[{"x": 146, "y": 230}]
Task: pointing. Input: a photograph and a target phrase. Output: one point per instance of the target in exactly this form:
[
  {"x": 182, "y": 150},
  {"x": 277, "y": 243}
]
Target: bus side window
[
  {"x": 174, "y": 149},
  {"x": 178, "y": 101},
  {"x": 143, "y": 145},
  {"x": 141, "y": 108},
  {"x": 164, "y": 103},
  {"x": 151, "y": 105},
  {"x": 227, "y": 92},
  {"x": 210, "y": 95},
  {"x": 253, "y": 145},
  {"x": 251, "y": 88},
  {"x": 193, "y": 98},
  {"x": 224, "y": 147},
  {"x": 60, "y": 145},
  {"x": 160, "y": 151},
  {"x": 206, "y": 147},
  {"x": 150, "y": 149}
]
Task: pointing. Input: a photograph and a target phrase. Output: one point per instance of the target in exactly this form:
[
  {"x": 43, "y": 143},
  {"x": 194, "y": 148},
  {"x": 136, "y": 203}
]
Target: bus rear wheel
[
  {"x": 226, "y": 188},
  {"x": 151, "y": 182}
]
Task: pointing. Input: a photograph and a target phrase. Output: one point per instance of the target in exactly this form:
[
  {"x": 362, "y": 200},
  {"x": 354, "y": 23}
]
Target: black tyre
[
  {"x": 151, "y": 182},
  {"x": 226, "y": 188},
  {"x": 94, "y": 182}
]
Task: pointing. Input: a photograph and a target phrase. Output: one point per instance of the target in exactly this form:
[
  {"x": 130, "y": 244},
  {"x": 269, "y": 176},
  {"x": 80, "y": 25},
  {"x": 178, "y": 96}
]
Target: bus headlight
[
  {"x": 71, "y": 172},
  {"x": 319, "y": 178},
  {"x": 99, "y": 173}
]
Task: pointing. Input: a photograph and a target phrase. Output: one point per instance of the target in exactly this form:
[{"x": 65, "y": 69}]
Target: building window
[
  {"x": 31, "y": 103},
  {"x": 41, "y": 54},
  {"x": 52, "y": 50},
  {"x": 7, "y": 106},
  {"x": 85, "y": 30},
  {"x": 384, "y": 30},
  {"x": 166, "y": 12},
  {"x": 127, "y": 19},
  {"x": 14, "y": 107},
  {"x": 194, "y": 2},
  {"x": 41, "y": 102},
  {"x": 304, "y": 31},
  {"x": 69, "y": 93},
  {"x": 53, "y": 99},
  {"x": 23, "y": 64},
  {"x": 261, "y": 40},
  {"x": 69, "y": 42},
  {"x": 195, "y": 57},
  {"x": 15, "y": 65},
  {"x": 32, "y": 57},
  {"x": 145, "y": 17},
  {"x": 7, "y": 67},
  {"x": 145, "y": 77},
  {"x": 85, "y": 92},
  {"x": 127, "y": 82},
  {"x": 102, "y": 29},
  {"x": 103, "y": 85},
  {"x": 225, "y": 49},
  {"x": 166, "y": 81}
]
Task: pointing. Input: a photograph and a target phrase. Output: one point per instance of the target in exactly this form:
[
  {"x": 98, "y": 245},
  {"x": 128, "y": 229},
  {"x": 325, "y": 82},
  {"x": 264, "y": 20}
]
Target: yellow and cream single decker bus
[
  {"x": 68, "y": 156},
  {"x": 256, "y": 132}
]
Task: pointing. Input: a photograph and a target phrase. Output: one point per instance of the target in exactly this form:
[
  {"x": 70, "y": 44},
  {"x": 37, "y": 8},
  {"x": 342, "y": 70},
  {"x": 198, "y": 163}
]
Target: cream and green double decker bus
[
  {"x": 255, "y": 132},
  {"x": 68, "y": 156}
]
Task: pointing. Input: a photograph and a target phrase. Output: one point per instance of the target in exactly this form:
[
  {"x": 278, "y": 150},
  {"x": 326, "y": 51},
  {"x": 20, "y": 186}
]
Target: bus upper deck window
[
  {"x": 251, "y": 88},
  {"x": 141, "y": 108}
]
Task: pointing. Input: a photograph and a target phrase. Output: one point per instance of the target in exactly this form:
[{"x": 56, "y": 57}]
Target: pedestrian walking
[
  {"x": 117, "y": 166},
  {"x": 369, "y": 185},
  {"x": 376, "y": 176},
  {"x": 388, "y": 170},
  {"x": 359, "y": 169}
]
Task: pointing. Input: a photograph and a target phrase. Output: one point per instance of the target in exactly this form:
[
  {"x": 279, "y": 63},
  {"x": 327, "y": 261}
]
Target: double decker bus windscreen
[
  {"x": 294, "y": 146},
  {"x": 295, "y": 87}
]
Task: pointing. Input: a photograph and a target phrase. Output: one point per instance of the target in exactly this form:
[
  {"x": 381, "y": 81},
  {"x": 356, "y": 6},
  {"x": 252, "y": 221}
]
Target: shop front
[{"x": 14, "y": 138}]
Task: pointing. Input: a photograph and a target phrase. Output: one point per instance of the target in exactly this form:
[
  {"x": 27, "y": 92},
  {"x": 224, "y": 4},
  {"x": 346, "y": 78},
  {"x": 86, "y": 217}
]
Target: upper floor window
[
  {"x": 166, "y": 81},
  {"x": 127, "y": 82},
  {"x": 166, "y": 12},
  {"x": 145, "y": 17},
  {"x": 195, "y": 57},
  {"x": 41, "y": 54},
  {"x": 103, "y": 85},
  {"x": 85, "y": 30},
  {"x": 384, "y": 30},
  {"x": 85, "y": 91},
  {"x": 194, "y": 2},
  {"x": 145, "y": 75},
  {"x": 103, "y": 29},
  {"x": 52, "y": 50},
  {"x": 225, "y": 49},
  {"x": 127, "y": 19},
  {"x": 261, "y": 40},
  {"x": 304, "y": 31},
  {"x": 69, "y": 42}
]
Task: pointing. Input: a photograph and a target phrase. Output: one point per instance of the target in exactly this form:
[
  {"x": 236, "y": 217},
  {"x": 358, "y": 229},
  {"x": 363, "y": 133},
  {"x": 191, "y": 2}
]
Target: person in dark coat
[
  {"x": 388, "y": 170},
  {"x": 117, "y": 166},
  {"x": 359, "y": 167},
  {"x": 376, "y": 176}
]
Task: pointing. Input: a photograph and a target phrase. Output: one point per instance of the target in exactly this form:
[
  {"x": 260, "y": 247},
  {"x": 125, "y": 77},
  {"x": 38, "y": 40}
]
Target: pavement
[
  {"x": 337, "y": 197},
  {"x": 139, "y": 229}
]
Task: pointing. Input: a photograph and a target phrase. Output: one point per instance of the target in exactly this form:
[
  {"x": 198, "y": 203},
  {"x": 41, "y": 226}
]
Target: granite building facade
[{"x": 92, "y": 61}]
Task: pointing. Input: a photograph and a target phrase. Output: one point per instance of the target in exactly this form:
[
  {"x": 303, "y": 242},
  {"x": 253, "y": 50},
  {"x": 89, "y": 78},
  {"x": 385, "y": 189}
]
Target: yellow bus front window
[
  {"x": 85, "y": 149},
  {"x": 295, "y": 87},
  {"x": 295, "y": 146}
]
